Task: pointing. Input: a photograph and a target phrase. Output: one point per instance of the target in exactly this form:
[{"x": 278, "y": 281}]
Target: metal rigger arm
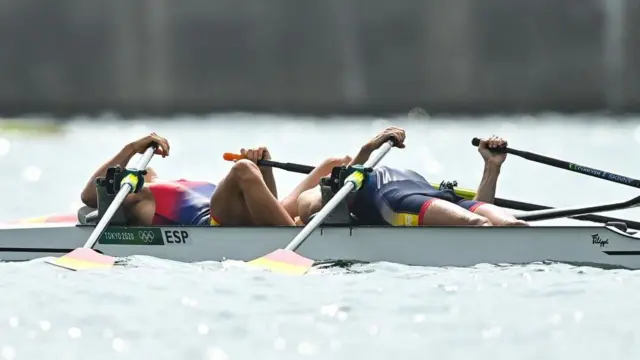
[{"x": 329, "y": 186}]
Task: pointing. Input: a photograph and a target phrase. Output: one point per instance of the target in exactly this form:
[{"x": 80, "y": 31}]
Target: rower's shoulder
[
  {"x": 389, "y": 174},
  {"x": 390, "y": 170}
]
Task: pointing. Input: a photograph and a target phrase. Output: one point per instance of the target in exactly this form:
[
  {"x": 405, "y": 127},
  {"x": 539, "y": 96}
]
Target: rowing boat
[
  {"x": 597, "y": 245},
  {"x": 610, "y": 244}
]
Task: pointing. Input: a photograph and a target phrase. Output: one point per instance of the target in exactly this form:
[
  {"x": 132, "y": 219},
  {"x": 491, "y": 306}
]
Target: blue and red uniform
[
  {"x": 399, "y": 198},
  {"x": 182, "y": 202}
]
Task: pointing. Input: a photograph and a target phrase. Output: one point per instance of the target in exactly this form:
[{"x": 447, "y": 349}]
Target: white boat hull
[{"x": 432, "y": 246}]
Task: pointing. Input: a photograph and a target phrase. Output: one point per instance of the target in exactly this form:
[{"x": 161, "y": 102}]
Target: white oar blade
[
  {"x": 284, "y": 262},
  {"x": 84, "y": 259}
]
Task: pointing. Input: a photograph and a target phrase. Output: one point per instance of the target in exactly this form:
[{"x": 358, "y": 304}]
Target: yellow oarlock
[{"x": 132, "y": 179}]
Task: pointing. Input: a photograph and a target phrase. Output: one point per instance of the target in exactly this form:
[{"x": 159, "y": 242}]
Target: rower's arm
[
  {"x": 487, "y": 189},
  {"x": 363, "y": 155},
  {"x": 89, "y": 195},
  {"x": 290, "y": 203},
  {"x": 269, "y": 180}
]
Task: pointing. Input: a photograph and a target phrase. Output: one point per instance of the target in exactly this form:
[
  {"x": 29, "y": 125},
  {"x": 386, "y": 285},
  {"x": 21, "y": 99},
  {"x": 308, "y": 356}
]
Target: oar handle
[
  {"x": 303, "y": 169},
  {"x": 565, "y": 165}
]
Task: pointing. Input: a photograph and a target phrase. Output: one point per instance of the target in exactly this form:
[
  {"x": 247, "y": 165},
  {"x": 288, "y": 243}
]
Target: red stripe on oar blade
[
  {"x": 284, "y": 261},
  {"x": 83, "y": 259}
]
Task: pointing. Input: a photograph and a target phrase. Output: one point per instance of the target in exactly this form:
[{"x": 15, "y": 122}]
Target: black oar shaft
[
  {"x": 303, "y": 169},
  {"x": 523, "y": 206},
  {"x": 574, "y": 211},
  {"x": 565, "y": 165}
]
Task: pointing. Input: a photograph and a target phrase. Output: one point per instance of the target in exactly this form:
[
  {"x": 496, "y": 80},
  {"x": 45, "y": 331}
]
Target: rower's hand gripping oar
[
  {"x": 565, "y": 165},
  {"x": 286, "y": 260},
  {"x": 572, "y": 211},
  {"x": 87, "y": 258}
]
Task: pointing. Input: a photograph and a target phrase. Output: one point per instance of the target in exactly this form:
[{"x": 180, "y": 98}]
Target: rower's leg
[
  {"x": 438, "y": 212},
  {"x": 242, "y": 198},
  {"x": 227, "y": 204},
  {"x": 400, "y": 209},
  {"x": 496, "y": 215}
]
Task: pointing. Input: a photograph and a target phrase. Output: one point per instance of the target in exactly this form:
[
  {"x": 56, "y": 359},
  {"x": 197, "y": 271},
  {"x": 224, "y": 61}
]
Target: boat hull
[{"x": 424, "y": 246}]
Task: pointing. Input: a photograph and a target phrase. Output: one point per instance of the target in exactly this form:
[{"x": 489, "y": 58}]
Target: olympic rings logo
[{"x": 146, "y": 236}]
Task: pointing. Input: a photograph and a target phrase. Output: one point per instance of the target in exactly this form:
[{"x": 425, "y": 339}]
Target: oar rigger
[
  {"x": 340, "y": 173},
  {"x": 114, "y": 177},
  {"x": 107, "y": 188},
  {"x": 331, "y": 185},
  {"x": 450, "y": 185}
]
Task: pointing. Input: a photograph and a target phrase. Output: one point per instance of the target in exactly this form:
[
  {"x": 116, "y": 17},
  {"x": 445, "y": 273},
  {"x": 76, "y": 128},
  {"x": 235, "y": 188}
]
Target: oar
[
  {"x": 573, "y": 211},
  {"x": 523, "y": 206},
  {"x": 465, "y": 193},
  {"x": 286, "y": 260},
  {"x": 87, "y": 258},
  {"x": 304, "y": 169},
  {"x": 565, "y": 165}
]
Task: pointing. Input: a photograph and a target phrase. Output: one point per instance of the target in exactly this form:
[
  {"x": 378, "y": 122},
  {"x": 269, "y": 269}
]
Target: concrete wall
[{"x": 329, "y": 56}]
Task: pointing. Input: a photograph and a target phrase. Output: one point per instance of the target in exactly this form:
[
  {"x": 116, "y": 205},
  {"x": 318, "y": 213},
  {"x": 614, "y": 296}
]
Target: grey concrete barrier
[{"x": 331, "y": 56}]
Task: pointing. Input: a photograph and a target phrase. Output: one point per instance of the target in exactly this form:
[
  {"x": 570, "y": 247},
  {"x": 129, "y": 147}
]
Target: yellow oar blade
[
  {"x": 284, "y": 262},
  {"x": 84, "y": 259}
]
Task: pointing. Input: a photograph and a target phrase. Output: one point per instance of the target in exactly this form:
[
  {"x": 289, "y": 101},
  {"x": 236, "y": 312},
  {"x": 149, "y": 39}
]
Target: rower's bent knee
[
  {"x": 245, "y": 170},
  {"x": 480, "y": 221}
]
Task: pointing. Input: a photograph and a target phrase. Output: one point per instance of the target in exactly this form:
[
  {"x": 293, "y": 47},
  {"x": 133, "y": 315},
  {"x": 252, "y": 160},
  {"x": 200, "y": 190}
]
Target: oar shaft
[
  {"x": 125, "y": 189},
  {"x": 319, "y": 218},
  {"x": 335, "y": 200},
  {"x": 565, "y": 165},
  {"x": 518, "y": 205},
  {"x": 303, "y": 169},
  {"x": 523, "y": 206},
  {"x": 574, "y": 211}
]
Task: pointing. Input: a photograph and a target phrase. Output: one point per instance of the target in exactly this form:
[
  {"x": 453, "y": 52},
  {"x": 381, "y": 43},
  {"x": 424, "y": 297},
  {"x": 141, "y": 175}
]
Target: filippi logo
[{"x": 597, "y": 240}]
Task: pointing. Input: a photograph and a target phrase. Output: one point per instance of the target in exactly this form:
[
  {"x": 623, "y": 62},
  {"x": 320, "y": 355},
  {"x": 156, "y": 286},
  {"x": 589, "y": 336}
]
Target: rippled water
[
  {"x": 165, "y": 310},
  {"x": 158, "y": 309}
]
